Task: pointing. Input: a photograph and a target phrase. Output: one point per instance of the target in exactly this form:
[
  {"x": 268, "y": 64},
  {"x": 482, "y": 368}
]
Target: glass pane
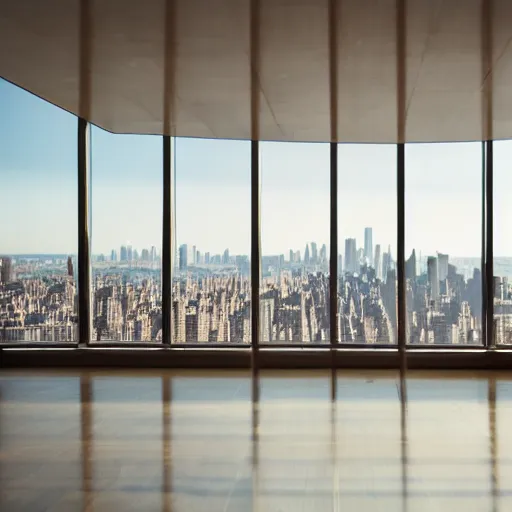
[
  {"x": 38, "y": 230},
  {"x": 211, "y": 283},
  {"x": 295, "y": 199},
  {"x": 502, "y": 151},
  {"x": 126, "y": 234},
  {"x": 443, "y": 236},
  {"x": 367, "y": 243}
]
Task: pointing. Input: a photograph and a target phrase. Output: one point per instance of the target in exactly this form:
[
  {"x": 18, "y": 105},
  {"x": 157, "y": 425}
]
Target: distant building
[
  {"x": 433, "y": 278},
  {"x": 351, "y": 263},
  {"x": 410, "y": 266},
  {"x": 6, "y": 270},
  {"x": 377, "y": 263},
  {"x": 368, "y": 245},
  {"x": 442, "y": 266},
  {"x": 306, "y": 255},
  {"x": 123, "y": 253},
  {"x": 70, "y": 267},
  {"x": 314, "y": 252},
  {"x": 183, "y": 257}
]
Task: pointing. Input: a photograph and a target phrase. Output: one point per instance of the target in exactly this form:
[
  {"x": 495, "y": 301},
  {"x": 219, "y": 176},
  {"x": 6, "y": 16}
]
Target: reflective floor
[{"x": 283, "y": 441}]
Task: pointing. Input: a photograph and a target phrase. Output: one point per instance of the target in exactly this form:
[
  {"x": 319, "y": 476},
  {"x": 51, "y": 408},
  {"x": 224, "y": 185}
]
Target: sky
[{"x": 38, "y": 173}]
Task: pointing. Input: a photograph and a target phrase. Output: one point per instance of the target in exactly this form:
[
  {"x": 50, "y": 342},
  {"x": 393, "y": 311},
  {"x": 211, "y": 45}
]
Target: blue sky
[{"x": 38, "y": 176}]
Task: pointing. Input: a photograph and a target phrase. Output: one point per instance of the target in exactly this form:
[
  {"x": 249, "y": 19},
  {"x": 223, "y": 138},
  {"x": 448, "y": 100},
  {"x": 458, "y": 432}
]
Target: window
[
  {"x": 443, "y": 236},
  {"x": 38, "y": 230},
  {"x": 367, "y": 243},
  {"x": 294, "y": 303},
  {"x": 502, "y": 219},
  {"x": 126, "y": 234},
  {"x": 211, "y": 283}
]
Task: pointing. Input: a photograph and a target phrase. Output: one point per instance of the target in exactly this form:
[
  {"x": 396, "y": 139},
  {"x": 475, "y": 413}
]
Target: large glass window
[
  {"x": 443, "y": 236},
  {"x": 212, "y": 227},
  {"x": 367, "y": 243},
  {"x": 126, "y": 234},
  {"x": 38, "y": 226},
  {"x": 294, "y": 303},
  {"x": 502, "y": 151}
]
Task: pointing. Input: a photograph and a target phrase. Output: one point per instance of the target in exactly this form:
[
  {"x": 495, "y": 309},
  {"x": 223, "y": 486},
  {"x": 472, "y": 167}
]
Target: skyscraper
[
  {"x": 351, "y": 263},
  {"x": 129, "y": 253},
  {"x": 207, "y": 258},
  {"x": 183, "y": 257},
  {"x": 225, "y": 257},
  {"x": 306, "y": 255},
  {"x": 442, "y": 266},
  {"x": 6, "y": 270},
  {"x": 70, "y": 267},
  {"x": 410, "y": 266},
  {"x": 314, "y": 252},
  {"x": 291, "y": 256},
  {"x": 123, "y": 253},
  {"x": 368, "y": 245},
  {"x": 194, "y": 255},
  {"x": 376, "y": 262},
  {"x": 113, "y": 255},
  {"x": 153, "y": 253},
  {"x": 323, "y": 254},
  {"x": 433, "y": 278}
]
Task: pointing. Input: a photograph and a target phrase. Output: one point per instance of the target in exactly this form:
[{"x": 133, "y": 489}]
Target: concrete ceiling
[{"x": 199, "y": 69}]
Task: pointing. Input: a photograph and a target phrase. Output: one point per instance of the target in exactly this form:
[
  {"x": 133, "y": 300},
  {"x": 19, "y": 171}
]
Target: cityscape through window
[
  {"x": 294, "y": 294},
  {"x": 367, "y": 244},
  {"x": 126, "y": 229},
  {"x": 38, "y": 220},
  {"x": 502, "y": 244},
  {"x": 211, "y": 238},
  {"x": 443, "y": 237},
  {"x": 211, "y": 276}
]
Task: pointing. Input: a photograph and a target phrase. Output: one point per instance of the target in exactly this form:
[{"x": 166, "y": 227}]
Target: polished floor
[{"x": 280, "y": 441}]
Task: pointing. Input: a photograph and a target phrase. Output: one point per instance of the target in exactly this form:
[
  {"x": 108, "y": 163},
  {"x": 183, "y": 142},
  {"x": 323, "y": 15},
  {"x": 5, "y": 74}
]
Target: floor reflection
[{"x": 229, "y": 441}]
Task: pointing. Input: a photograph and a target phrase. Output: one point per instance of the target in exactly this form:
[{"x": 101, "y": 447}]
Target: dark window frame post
[
  {"x": 84, "y": 254},
  {"x": 167, "y": 234}
]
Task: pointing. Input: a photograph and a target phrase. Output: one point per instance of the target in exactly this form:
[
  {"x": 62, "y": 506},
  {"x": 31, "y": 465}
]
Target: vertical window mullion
[
  {"x": 167, "y": 233},
  {"x": 84, "y": 254},
  {"x": 489, "y": 249}
]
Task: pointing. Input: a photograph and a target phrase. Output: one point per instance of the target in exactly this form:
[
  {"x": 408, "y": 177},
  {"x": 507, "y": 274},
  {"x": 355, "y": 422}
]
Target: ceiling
[{"x": 184, "y": 67}]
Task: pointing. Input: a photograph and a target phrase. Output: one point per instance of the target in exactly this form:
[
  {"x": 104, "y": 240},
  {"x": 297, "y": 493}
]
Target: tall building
[
  {"x": 433, "y": 278},
  {"x": 314, "y": 252},
  {"x": 225, "y": 257},
  {"x": 291, "y": 256},
  {"x": 70, "y": 267},
  {"x": 129, "y": 253},
  {"x": 368, "y": 245},
  {"x": 6, "y": 270},
  {"x": 323, "y": 254},
  {"x": 183, "y": 257},
  {"x": 193, "y": 260},
  {"x": 152, "y": 255},
  {"x": 123, "y": 253},
  {"x": 306, "y": 255},
  {"x": 351, "y": 263},
  {"x": 136, "y": 255},
  {"x": 377, "y": 263},
  {"x": 207, "y": 258},
  {"x": 113, "y": 255},
  {"x": 442, "y": 266},
  {"x": 410, "y": 266}
]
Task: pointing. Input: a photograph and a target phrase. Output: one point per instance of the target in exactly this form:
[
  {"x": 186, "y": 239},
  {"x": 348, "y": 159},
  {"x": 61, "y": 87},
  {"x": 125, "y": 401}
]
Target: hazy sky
[{"x": 38, "y": 210}]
